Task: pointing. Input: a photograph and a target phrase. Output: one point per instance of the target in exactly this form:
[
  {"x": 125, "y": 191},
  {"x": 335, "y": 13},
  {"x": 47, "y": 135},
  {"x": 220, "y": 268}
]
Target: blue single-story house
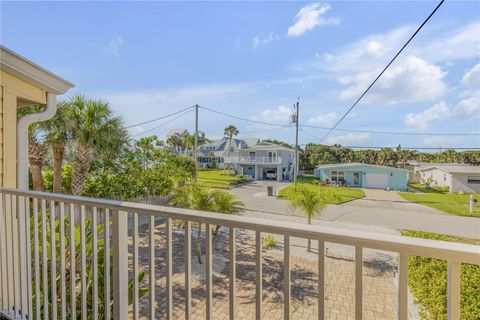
[{"x": 364, "y": 175}]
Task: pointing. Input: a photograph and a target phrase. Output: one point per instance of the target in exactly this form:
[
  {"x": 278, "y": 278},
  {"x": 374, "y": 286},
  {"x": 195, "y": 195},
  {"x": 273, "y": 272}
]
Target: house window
[
  {"x": 338, "y": 176},
  {"x": 473, "y": 179}
]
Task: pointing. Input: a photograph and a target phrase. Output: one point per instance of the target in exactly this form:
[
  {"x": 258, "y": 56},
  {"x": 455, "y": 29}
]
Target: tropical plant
[
  {"x": 230, "y": 132},
  {"x": 310, "y": 203},
  {"x": 269, "y": 242},
  {"x": 195, "y": 197},
  {"x": 36, "y": 147},
  {"x": 96, "y": 133},
  {"x": 58, "y": 131},
  {"x": 76, "y": 269}
]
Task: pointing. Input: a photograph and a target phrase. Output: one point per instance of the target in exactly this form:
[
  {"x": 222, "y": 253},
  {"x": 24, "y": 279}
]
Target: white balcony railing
[
  {"x": 80, "y": 287},
  {"x": 254, "y": 160}
]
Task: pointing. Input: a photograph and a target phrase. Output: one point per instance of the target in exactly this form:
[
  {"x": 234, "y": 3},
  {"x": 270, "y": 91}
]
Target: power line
[
  {"x": 403, "y": 148},
  {"x": 159, "y": 118},
  {"x": 341, "y": 130},
  {"x": 245, "y": 119},
  {"x": 381, "y": 73},
  {"x": 369, "y": 147},
  {"x": 394, "y": 132},
  {"x": 163, "y": 124}
]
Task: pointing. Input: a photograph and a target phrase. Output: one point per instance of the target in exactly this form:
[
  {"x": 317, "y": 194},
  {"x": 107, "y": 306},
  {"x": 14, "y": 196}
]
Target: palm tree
[
  {"x": 96, "y": 133},
  {"x": 36, "y": 148},
  {"x": 311, "y": 203},
  {"x": 198, "y": 198},
  {"x": 230, "y": 132},
  {"x": 175, "y": 142},
  {"x": 58, "y": 131},
  {"x": 224, "y": 202}
]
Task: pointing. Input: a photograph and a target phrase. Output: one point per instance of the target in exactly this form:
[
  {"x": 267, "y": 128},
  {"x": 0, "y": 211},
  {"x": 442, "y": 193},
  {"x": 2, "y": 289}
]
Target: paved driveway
[{"x": 382, "y": 211}]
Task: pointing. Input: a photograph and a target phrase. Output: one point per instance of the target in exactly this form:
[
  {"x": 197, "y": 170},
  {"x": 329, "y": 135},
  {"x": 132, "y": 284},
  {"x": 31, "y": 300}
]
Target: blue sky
[{"x": 253, "y": 59}]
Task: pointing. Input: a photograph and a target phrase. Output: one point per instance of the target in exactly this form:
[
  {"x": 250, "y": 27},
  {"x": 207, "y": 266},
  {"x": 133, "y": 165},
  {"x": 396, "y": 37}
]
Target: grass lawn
[
  {"x": 427, "y": 279},
  {"x": 421, "y": 187},
  {"x": 335, "y": 195},
  {"x": 457, "y": 204},
  {"x": 215, "y": 178}
]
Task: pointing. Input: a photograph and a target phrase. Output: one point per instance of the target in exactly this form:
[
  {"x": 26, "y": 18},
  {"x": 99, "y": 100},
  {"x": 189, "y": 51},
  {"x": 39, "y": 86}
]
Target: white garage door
[{"x": 376, "y": 181}]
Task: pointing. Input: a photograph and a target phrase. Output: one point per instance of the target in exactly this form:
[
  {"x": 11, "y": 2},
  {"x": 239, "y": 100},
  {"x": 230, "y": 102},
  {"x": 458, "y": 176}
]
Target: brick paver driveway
[{"x": 379, "y": 285}]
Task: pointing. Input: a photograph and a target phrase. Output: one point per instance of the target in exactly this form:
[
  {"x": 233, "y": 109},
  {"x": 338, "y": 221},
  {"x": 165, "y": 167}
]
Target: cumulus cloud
[
  {"x": 411, "y": 79},
  {"x": 278, "y": 115},
  {"x": 348, "y": 139},
  {"x": 469, "y": 105},
  {"x": 423, "y": 119},
  {"x": 262, "y": 39},
  {"x": 322, "y": 120},
  {"x": 309, "y": 17}
]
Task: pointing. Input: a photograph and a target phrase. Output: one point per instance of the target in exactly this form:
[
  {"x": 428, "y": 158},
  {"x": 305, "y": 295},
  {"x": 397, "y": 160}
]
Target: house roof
[
  {"x": 454, "y": 168},
  {"x": 28, "y": 71},
  {"x": 356, "y": 164},
  {"x": 177, "y": 132}
]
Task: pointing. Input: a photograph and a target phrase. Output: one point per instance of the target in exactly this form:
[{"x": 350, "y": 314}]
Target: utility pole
[
  {"x": 196, "y": 143},
  {"x": 295, "y": 175}
]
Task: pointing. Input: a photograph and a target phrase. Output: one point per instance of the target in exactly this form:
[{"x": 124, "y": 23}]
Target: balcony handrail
[
  {"x": 457, "y": 252},
  {"x": 253, "y": 159}
]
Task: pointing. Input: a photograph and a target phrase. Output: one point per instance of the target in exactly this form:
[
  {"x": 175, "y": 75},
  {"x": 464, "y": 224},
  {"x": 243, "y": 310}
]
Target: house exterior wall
[
  {"x": 459, "y": 182},
  {"x": 14, "y": 93},
  {"x": 437, "y": 177},
  {"x": 397, "y": 179}
]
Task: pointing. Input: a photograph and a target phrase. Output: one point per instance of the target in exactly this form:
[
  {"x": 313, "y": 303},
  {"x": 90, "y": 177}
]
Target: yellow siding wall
[{"x": 15, "y": 93}]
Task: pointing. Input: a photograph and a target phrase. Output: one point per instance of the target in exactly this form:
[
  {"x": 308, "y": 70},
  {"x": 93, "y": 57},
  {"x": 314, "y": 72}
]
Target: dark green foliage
[
  {"x": 316, "y": 154},
  {"x": 147, "y": 168},
  {"x": 77, "y": 268},
  {"x": 427, "y": 279}
]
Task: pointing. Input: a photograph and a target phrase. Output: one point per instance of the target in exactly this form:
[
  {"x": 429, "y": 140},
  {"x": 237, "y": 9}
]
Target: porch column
[{"x": 279, "y": 173}]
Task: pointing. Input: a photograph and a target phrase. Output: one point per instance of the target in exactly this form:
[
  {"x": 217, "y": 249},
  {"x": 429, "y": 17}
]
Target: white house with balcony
[{"x": 250, "y": 157}]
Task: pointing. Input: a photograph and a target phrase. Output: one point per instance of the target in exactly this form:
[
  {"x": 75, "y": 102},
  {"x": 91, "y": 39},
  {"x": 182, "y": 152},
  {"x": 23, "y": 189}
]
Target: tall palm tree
[
  {"x": 36, "y": 147},
  {"x": 230, "y": 132},
  {"x": 311, "y": 203},
  {"x": 96, "y": 133},
  {"x": 58, "y": 131},
  {"x": 175, "y": 142}
]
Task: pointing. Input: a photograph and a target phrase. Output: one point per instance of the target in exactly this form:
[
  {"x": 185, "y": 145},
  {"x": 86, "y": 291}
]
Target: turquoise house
[{"x": 364, "y": 175}]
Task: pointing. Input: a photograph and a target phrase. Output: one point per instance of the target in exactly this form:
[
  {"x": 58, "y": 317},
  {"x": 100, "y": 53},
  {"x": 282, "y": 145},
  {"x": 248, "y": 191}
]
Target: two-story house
[{"x": 250, "y": 157}]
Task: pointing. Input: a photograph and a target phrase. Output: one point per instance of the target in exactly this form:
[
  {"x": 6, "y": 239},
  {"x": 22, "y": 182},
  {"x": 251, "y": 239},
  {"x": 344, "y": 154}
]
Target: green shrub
[
  {"x": 77, "y": 268},
  {"x": 427, "y": 279},
  {"x": 269, "y": 242}
]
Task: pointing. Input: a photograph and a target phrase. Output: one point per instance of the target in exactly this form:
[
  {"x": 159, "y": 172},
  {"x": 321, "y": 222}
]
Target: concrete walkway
[{"x": 380, "y": 210}]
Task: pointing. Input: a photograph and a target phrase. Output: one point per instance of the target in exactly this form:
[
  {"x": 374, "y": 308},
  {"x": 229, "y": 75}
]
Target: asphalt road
[{"x": 380, "y": 211}]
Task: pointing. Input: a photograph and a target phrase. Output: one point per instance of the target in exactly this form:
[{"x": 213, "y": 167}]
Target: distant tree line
[{"x": 315, "y": 154}]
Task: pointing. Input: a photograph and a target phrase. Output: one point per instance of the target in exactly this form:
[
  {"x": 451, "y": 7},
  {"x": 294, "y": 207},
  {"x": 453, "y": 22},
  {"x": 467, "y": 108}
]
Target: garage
[{"x": 376, "y": 181}]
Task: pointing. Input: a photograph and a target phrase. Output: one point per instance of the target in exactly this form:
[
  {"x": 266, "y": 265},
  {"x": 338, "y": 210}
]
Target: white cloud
[
  {"x": 410, "y": 79},
  {"x": 471, "y": 79},
  {"x": 423, "y": 119},
  {"x": 113, "y": 47},
  {"x": 309, "y": 17},
  {"x": 348, "y": 139},
  {"x": 375, "y": 48},
  {"x": 452, "y": 45},
  {"x": 262, "y": 40},
  {"x": 469, "y": 105},
  {"x": 324, "y": 119},
  {"x": 279, "y": 115}
]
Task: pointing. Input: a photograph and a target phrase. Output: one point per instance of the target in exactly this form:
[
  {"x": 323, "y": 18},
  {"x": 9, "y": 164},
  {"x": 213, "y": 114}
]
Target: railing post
[
  {"x": 453, "y": 290},
  {"x": 120, "y": 264}
]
